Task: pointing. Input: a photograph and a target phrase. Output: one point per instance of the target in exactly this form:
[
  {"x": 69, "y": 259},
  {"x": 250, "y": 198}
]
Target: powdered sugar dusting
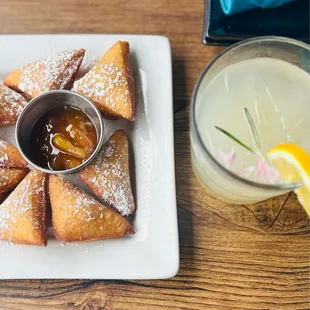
[
  {"x": 108, "y": 175},
  {"x": 80, "y": 206},
  {"x": 10, "y": 156},
  {"x": 53, "y": 72},
  {"x": 4, "y": 157},
  {"x": 80, "y": 212},
  {"x": 23, "y": 210},
  {"x": 11, "y": 105},
  {"x": 10, "y": 178},
  {"x": 5, "y": 179},
  {"x": 80, "y": 217},
  {"x": 69, "y": 72},
  {"x": 107, "y": 84},
  {"x": 3, "y": 144}
]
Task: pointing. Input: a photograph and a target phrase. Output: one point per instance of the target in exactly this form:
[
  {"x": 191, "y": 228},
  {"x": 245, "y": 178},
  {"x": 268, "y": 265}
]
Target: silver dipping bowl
[{"x": 42, "y": 104}]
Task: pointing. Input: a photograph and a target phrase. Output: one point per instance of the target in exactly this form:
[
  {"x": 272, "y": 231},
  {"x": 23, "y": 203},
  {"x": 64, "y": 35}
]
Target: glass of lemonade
[{"x": 257, "y": 91}]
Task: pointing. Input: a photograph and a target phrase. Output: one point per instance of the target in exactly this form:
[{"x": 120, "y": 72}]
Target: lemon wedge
[{"x": 293, "y": 164}]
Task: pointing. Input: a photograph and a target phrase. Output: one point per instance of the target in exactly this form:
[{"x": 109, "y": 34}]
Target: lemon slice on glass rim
[{"x": 293, "y": 164}]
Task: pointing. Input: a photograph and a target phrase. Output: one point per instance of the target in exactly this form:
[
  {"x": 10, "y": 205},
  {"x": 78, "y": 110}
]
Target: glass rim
[{"x": 284, "y": 187}]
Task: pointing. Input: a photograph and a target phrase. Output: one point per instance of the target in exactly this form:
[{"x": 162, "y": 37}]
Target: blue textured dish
[{"x": 290, "y": 20}]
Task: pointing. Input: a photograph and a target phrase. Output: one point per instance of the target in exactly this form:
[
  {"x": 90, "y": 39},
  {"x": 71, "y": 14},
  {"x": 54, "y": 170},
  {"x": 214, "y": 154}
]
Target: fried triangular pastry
[
  {"x": 9, "y": 179},
  {"x": 108, "y": 174},
  {"x": 23, "y": 213},
  {"x": 10, "y": 156},
  {"x": 109, "y": 84},
  {"x": 11, "y": 105},
  {"x": 76, "y": 216},
  {"x": 57, "y": 71}
]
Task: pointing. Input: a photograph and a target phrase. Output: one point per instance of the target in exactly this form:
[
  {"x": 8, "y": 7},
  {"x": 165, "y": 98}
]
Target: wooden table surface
[{"x": 232, "y": 257}]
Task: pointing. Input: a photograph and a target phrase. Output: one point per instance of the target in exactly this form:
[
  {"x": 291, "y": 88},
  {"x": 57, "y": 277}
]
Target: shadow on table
[
  {"x": 179, "y": 85},
  {"x": 182, "y": 161}
]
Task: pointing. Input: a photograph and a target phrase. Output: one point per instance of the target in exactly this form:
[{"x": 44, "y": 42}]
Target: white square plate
[{"x": 153, "y": 252}]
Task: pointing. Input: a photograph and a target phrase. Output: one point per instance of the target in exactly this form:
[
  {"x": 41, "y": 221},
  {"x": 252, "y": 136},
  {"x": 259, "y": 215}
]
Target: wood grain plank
[{"x": 232, "y": 257}]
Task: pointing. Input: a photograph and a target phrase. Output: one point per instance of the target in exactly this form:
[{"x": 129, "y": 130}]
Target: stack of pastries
[{"x": 27, "y": 195}]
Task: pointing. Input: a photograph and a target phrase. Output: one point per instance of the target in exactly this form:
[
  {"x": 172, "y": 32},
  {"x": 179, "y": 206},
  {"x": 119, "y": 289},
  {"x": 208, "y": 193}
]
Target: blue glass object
[
  {"x": 231, "y": 7},
  {"x": 290, "y": 20}
]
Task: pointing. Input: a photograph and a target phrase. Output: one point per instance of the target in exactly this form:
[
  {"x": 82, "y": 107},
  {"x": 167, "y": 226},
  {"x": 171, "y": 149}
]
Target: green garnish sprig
[{"x": 256, "y": 149}]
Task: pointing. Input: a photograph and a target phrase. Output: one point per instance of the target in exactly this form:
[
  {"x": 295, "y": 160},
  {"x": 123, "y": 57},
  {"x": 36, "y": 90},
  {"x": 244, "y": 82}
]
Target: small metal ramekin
[{"x": 45, "y": 102}]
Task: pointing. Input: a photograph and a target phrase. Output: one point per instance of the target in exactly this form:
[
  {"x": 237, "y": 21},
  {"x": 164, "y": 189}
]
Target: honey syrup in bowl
[{"x": 63, "y": 138}]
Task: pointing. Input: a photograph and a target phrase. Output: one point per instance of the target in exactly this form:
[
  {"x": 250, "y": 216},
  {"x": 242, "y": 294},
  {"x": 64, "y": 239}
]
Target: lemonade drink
[{"x": 276, "y": 95}]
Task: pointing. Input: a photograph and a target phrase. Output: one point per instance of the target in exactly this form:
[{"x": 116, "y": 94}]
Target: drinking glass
[{"x": 214, "y": 177}]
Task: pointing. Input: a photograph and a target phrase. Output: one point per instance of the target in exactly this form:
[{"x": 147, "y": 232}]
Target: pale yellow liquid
[{"x": 277, "y": 95}]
